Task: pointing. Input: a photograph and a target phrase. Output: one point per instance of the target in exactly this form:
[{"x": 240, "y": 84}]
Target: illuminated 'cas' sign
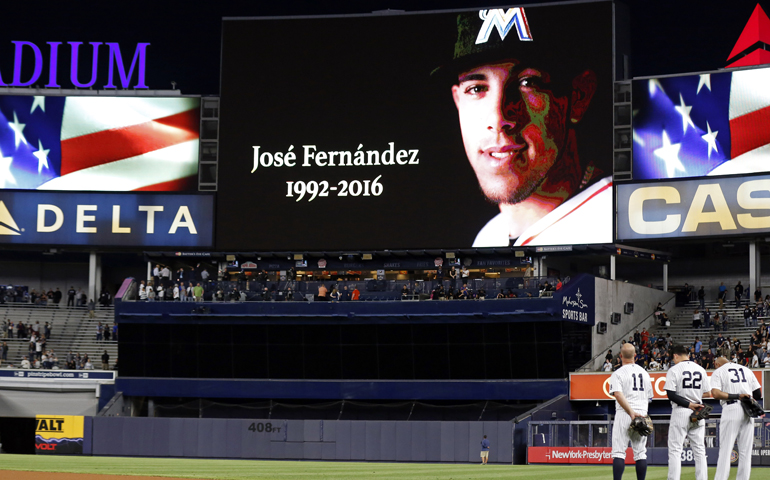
[
  {"x": 29, "y": 52},
  {"x": 704, "y": 206}
]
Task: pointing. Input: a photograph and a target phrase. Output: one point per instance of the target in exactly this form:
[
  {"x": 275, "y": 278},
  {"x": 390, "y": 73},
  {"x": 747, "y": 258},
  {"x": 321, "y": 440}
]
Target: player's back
[
  {"x": 689, "y": 380},
  {"x": 635, "y": 384},
  {"x": 734, "y": 378}
]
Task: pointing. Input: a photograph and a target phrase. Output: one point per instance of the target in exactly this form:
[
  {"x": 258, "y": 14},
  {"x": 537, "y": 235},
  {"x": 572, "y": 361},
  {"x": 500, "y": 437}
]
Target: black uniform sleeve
[
  {"x": 678, "y": 399},
  {"x": 758, "y": 394}
]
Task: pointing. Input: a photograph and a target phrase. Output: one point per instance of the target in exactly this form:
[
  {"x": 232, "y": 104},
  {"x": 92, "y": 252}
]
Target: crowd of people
[
  {"x": 75, "y": 298},
  {"x": 653, "y": 351}
]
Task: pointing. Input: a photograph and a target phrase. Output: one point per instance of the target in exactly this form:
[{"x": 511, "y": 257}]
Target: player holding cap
[
  {"x": 729, "y": 383},
  {"x": 632, "y": 388},
  {"x": 686, "y": 382}
]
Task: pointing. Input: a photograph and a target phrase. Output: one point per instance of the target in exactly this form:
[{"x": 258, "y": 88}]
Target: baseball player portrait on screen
[
  {"x": 686, "y": 383},
  {"x": 519, "y": 108},
  {"x": 632, "y": 388},
  {"x": 737, "y": 389}
]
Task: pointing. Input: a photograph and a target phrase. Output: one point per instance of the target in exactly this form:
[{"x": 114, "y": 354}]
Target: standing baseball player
[
  {"x": 729, "y": 383},
  {"x": 686, "y": 382},
  {"x": 632, "y": 389}
]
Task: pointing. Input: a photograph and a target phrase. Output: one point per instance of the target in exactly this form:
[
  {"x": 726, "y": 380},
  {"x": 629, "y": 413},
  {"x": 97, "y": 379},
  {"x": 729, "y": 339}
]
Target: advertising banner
[
  {"x": 99, "y": 143},
  {"x": 704, "y": 124},
  {"x": 99, "y": 219},
  {"x": 478, "y": 128},
  {"x": 695, "y": 207},
  {"x": 582, "y": 455},
  {"x": 596, "y": 386},
  {"x": 59, "y": 434}
]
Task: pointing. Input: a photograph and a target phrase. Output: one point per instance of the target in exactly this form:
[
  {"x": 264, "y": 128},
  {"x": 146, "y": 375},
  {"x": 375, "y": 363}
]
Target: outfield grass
[{"x": 283, "y": 470}]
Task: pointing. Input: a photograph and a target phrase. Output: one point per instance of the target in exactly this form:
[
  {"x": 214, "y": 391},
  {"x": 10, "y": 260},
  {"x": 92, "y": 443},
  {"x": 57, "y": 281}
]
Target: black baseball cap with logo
[{"x": 560, "y": 39}]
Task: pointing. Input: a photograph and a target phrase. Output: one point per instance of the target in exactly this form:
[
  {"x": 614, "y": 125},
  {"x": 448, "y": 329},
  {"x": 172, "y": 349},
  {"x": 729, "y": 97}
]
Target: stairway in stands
[
  {"x": 72, "y": 329},
  {"x": 682, "y": 331}
]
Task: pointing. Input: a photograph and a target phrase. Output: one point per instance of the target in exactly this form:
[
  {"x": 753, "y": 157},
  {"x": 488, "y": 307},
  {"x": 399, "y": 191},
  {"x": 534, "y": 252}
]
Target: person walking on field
[{"x": 484, "y": 450}]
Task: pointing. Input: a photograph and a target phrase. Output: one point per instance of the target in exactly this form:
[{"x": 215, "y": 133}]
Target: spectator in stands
[
  {"x": 266, "y": 297},
  {"x": 71, "y": 296},
  {"x": 198, "y": 292},
  {"x": 182, "y": 291},
  {"x": 105, "y": 360},
  {"x": 70, "y": 360},
  {"x": 290, "y": 294},
  {"x": 465, "y": 275},
  {"x": 722, "y": 295},
  {"x": 696, "y": 319},
  {"x": 205, "y": 275},
  {"x": 21, "y": 330},
  {"x": 356, "y": 294},
  {"x": 660, "y": 314},
  {"x": 91, "y": 309},
  {"x": 142, "y": 291},
  {"x": 115, "y": 331},
  {"x": 481, "y": 294},
  {"x": 453, "y": 277},
  {"x": 99, "y": 332},
  {"x": 9, "y": 326},
  {"x": 702, "y": 297},
  {"x": 104, "y": 298},
  {"x": 754, "y": 317},
  {"x": 176, "y": 292},
  {"x": 322, "y": 291},
  {"x": 501, "y": 294},
  {"x": 36, "y": 327},
  {"x": 3, "y": 353},
  {"x": 738, "y": 294},
  {"x": 404, "y": 292},
  {"x": 757, "y": 295},
  {"x": 165, "y": 275},
  {"x": 87, "y": 365},
  {"x": 57, "y": 297},
  {"x": 159, "y": 293},
  {"x": 688, "y": 291},
  {"x": 439, "y": 275},
  {"x": 150, "y": 292},
  {"x": 698, "y": 346},
  {"x": 607, "y": 366},
  {"x": 712, "y": 345},
  {"x": 723, "y": 348},
  {"x": 654, "y": 365},
  {"x": 335, "y": 295},
  {"x": 746, "y": 316},
  {"x": 706, "y": 319},
  {"x": 190, "y": 292},
  {"x": 107, "y": 333},
  {"x": 25, "y": 363}
]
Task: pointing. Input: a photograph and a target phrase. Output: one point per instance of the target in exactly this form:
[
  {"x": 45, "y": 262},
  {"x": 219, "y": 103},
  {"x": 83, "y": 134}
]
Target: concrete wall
[
  {"x": 28, "y": 403},
  {"x": 383, "y": 441},
  {"x": 611, "y": 297}
]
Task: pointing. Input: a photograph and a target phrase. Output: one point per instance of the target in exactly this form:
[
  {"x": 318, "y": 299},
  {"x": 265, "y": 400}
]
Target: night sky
[{"x": 667, "y": 36}]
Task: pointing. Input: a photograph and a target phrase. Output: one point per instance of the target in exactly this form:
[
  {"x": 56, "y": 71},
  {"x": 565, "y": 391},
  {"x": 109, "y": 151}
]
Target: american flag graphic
[
  {"x": 99, "y": 143},
  {"x": 709, "y": 124}
]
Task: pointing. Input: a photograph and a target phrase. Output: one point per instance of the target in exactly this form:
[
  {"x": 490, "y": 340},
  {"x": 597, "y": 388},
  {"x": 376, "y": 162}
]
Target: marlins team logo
[
  {"x": 503, "y": 21},
  {"x": 7, "y": 224}
]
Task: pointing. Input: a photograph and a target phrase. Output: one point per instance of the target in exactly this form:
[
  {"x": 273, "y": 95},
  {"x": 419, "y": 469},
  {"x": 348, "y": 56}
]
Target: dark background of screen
[
  {"x": 385, "y": 352},
  {"x": 340, "y": 82}
]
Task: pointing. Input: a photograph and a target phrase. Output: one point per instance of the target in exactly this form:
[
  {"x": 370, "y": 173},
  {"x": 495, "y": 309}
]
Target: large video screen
[
  {"x": 479, "y": 128},
  {"x": 99, "y": 143},
  {"x": 704, "y": 124}
]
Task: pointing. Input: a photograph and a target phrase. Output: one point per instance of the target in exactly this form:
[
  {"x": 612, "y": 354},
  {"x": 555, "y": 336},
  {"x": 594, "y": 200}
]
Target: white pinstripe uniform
[
  {"x": 689, "y": 380},
  {"x": 634, "y": 382},
  {"x": 734, "y": 378}
]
